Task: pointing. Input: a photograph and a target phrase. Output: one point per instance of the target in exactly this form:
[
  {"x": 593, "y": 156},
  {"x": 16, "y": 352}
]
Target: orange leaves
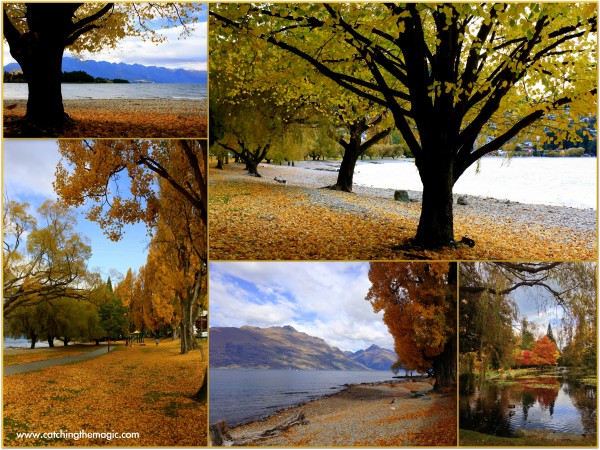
[
  {"x": 134, "y": 389},
  {"x": 111, "y": 119},
  {"x": 419, "y": 307}
]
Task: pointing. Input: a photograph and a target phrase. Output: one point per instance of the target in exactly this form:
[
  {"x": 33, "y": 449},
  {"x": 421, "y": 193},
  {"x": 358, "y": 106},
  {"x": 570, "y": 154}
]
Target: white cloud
[
  {"x": 189, "y": 53},
  {"x": 29, "y": 168},
  {"x": 325, "y": 300}
]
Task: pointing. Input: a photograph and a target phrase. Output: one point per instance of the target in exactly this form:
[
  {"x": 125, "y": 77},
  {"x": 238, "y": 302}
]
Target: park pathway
[{"x": 37, "y": 365}]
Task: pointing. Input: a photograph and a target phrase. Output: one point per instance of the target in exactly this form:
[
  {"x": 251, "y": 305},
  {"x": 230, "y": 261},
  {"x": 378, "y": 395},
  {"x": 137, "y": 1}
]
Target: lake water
[
  {"x": 244, "y": 395},
  {"x": 557, "y": 404},
  {"x": 22, "y": 343},
  {"x": 534, "y": 180},
  {"x": 75, "y": 91}
]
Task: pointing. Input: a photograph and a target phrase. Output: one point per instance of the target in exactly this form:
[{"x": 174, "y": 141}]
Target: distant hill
[
  {"x": 375, "y": 358},
  {"x": 131, "y": 72},
  {"x": 274, "y": 348}
]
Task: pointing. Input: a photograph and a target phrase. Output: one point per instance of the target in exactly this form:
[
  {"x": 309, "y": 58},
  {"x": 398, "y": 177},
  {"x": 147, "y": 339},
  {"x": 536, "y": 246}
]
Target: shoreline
[
  {"x": 344, "y": 387},
  {"x": 382, "y": 413},
  {"x": 368, "y": 224}
]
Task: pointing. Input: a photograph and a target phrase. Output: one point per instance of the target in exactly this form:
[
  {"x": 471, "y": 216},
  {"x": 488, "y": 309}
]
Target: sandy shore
[
  {"x": 139, "y": 118},
  {"x": 386, "y": 414},
  {"x": 372, "y": 224}
]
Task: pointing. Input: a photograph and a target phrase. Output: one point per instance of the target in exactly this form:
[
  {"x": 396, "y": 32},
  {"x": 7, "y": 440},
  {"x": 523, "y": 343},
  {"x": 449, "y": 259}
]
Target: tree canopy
[
  {"x": 166, "y": 189},
  {"x": 43, "y": 263},
  {"x": 493, "y": 329},
  {"x": 460, "y": 79}
]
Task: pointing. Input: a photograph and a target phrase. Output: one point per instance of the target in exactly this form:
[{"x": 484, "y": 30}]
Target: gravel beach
[
  {"x": 388, "y": 414},
  {"x": 506, "y": 227}
]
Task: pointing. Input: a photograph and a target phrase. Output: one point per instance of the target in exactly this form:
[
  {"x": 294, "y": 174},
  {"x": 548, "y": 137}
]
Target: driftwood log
[{"x": 220, "y": 436}]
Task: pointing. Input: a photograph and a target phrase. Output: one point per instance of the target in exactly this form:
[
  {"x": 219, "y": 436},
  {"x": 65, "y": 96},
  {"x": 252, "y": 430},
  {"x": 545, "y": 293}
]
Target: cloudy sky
[
  {"x": 29, "y": 167},
  {"x": 189, "y": 53},
  {"x": 326, "y": 300},
  {"x": 538, "y": 306}
]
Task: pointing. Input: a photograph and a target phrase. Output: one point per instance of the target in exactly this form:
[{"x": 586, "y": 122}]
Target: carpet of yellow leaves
[
  {"x": 121, "y": 124},
  {"x": 144, "y": 389},
  {"x": 259, "y": 219},
  {"x": 27, "y": 355}
]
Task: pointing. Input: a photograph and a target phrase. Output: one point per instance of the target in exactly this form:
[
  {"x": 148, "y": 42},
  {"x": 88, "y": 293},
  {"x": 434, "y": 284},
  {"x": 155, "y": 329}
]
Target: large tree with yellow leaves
[
  {"x": 39, "y": 33},
  {"x": 461, "y": 79}
]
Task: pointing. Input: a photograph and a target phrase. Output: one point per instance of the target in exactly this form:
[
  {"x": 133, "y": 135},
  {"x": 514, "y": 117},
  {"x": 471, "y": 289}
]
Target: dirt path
[{"x": 37, "y": 365}]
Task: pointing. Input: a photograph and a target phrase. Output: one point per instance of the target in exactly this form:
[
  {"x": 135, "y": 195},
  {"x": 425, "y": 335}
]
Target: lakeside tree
[
  {"x": 39, "y": 33},
  {"x": 460, "y": 79},
  {"x": 300, "y": 101},
  {"x": 418, "y": 301}
]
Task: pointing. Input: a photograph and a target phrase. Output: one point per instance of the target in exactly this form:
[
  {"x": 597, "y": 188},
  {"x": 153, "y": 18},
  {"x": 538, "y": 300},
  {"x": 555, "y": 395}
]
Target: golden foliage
[
  {"x": 419, "y": 308},
  {"x": 132, "y": 389}
]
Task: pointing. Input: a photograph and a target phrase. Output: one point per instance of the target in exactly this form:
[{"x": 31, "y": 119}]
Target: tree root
[{"x": 220, "y": 436}]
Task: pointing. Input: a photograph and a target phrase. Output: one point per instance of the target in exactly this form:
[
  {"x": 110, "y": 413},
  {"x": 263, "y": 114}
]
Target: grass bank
[{"x": 468, "y": 438}]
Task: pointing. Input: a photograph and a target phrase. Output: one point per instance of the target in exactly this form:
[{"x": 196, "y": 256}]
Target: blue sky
[
  {"x": 322, "y": 299},
  {"x": 29, "y": 167},
  {"x": 189, "y": 53}
]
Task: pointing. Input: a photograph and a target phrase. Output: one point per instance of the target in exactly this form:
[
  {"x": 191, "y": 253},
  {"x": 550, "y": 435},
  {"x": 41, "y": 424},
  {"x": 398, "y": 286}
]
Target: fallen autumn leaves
[
  {"x": 139, "y": 389},
  {"x": 120, "y": 119},
  {"x": 260, "y": 219}
]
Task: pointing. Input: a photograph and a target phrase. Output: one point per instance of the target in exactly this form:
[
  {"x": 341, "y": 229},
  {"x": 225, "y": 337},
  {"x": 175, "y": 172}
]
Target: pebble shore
[
  {"x": 320, "y": 174},
  {"x": 378, "y": 414}
]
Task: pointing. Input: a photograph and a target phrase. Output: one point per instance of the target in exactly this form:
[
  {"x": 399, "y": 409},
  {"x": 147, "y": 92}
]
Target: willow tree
[
  {"x": 460, "y": 79},
  {"x": 42, "y": 263},
  {"x": 570, "y": 287},
  {"x": 418, "y": 301},
  {"x": 39, "y": 33}
]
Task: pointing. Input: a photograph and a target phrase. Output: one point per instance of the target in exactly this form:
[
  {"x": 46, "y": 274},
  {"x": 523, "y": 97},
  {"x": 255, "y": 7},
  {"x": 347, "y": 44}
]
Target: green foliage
[{"x": 113, "y": 315}]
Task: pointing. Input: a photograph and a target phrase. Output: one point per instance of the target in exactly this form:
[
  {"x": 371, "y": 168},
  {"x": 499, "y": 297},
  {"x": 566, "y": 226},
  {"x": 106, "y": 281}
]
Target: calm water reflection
[{"x": 557, "y": 404}]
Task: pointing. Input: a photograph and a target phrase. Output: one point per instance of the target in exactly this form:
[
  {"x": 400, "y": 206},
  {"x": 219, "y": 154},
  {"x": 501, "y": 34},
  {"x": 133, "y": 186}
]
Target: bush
[{"x": 577, "y": 151}]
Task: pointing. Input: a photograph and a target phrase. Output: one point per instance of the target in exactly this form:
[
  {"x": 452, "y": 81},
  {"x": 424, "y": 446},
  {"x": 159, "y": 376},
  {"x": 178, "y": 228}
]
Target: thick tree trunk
[
  {"x": 33, "y": 337},
  {"x": 219, "y": 162},
  {"x": 39, "y": 52},
  {"x": 346, "y": 173},
  {"x": 188, "y": 340},
  {"x": 51, "y": 341},
  {"x": 252, "y": 167},
  {"x": 444, "y": 366},
  {"x": 202, "y": 394},
  {"x": 436, "y": 225},
  {"x": 44, "y": 102}
]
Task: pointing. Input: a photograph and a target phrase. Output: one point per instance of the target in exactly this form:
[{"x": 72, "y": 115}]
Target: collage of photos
[{"x": 300, "y": 225}]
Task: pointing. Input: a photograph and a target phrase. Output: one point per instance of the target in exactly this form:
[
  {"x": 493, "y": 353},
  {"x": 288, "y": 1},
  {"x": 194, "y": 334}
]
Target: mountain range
[
  {"x": 286, "y": 348},
  {"x": 131, "y": 72}
]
